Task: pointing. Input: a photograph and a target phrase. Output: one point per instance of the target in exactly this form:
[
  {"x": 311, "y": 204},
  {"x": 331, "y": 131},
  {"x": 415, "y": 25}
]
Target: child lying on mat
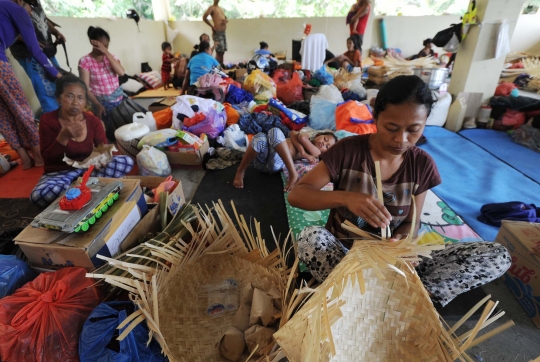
[{"x": 270, "y": 152}]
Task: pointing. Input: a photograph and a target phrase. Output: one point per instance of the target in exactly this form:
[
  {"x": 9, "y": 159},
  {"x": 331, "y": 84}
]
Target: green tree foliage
[{"x": 97, "y": 8}]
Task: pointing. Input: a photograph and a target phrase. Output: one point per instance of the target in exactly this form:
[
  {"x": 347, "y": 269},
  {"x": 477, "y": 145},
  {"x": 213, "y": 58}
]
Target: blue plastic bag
[
  {"x": 323, "y": 76},
  {"x": 98, "y": 337},
  {"x": 322, "y": 114},
  {"x": 14, "y": 273}
]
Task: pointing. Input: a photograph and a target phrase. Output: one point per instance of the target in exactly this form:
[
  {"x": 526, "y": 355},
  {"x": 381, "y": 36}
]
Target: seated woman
[
  {"x": 401, "y": 110},
  {"x": 350, "y": 59},
  {"x": 427, "y": 51},
  {"x": 204, "y": 37},
  {"x": 73, "y": 133},
  {"x": 264, "y": 49},
  {"x": 100, "y": 71},
  {"x": 199, "y": 65}
]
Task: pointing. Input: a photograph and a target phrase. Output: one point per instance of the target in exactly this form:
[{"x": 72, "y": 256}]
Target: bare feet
[
  {"x": 25, "y": 158},
  {"x": 239, "y": 180},
  {"x": 293, "y": 179},
  {"x": 36, "y": 153}
]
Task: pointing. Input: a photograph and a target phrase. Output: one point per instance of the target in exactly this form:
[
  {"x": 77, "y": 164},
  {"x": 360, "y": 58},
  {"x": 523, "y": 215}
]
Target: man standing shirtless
[{"x": 218, "y": 29}]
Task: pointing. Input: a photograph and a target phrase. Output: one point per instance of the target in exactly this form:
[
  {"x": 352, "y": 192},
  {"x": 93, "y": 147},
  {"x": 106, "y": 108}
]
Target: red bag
[
  {"x": 289, "y": 90},
  {"x": 42, "y": 320},
  {"x": 355, "y": 117},
  {"x": 290, "y": 124}
]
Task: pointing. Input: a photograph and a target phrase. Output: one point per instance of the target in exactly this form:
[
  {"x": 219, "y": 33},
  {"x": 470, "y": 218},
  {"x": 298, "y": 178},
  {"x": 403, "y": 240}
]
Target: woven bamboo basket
[
  {"x": 374, "y": 307},
  {"x": 168, "y": 288}
]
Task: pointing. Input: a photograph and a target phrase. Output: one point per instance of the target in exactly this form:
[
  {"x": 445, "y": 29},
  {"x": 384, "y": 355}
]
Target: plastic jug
[
  {"x": 147, "y": 119},
  {"x": 456, "y": 114}
]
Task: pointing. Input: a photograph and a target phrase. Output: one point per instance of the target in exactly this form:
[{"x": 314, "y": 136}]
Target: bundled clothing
[
  {"x": 528, "y": 136},
  {"x": 237, "y": 95},
  {"x": 253, "y": 123},
  {"x": 493, "y": 214}
]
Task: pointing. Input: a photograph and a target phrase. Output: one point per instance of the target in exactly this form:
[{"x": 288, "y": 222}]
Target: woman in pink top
[
  {"x": 100, "y": 71},
  {"x": 357, "y": 19}
]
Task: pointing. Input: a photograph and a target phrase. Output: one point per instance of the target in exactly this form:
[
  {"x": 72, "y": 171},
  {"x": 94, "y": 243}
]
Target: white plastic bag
[
  {"x": 453, "y": 45},
  {"x": 185, "y": 104},
  {"x": 235, "y": 138},
  {"x": 153, "y": 162},
  {"x": 503, "y": 41},
  {"x": 331, "y": 93}
]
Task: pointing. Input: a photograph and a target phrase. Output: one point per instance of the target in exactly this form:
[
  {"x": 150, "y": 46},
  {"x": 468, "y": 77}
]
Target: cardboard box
[
  {"x": 176, "y": 197},
  {"x": 240, "y": 74},
  {"x": 148, "y": 224},
  {"x": 523, "y": 277},
  {"x": 162, "y": 104},
  {"x": 188, "y": 156},
  {"x": 54, "y": 249}
]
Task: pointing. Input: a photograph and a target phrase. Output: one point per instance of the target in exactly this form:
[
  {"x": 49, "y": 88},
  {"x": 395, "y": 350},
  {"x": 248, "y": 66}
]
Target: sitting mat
[
  {"x": 472, "y": 177},
  {"x": 261, "y": 199},
  {"x": 500, "y": 145},
  {"x": 158, "y": 93}
]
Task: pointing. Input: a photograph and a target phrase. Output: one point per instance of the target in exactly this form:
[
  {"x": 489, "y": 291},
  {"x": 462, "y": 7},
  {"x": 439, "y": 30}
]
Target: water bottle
[{"x": 147, "y": 119}]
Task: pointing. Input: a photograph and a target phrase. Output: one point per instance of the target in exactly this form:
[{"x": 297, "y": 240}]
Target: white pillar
[
  {"x": 162, "y": 10},
  {"x": 476, "y": 69}
]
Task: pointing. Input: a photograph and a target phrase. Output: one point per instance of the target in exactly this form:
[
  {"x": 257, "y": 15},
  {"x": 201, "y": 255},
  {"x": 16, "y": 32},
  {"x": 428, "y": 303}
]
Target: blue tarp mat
[
  {"x": 500, "y": 145},
  {"x": 473, "y": 177}
]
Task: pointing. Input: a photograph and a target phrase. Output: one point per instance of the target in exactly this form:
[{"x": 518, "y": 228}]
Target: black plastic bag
[{"x": 444, "y": 36}]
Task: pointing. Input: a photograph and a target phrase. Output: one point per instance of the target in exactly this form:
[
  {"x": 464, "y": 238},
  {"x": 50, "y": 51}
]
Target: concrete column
[
  {"x": 162, "y": 10},
  {"x": 476, "y": 68}
]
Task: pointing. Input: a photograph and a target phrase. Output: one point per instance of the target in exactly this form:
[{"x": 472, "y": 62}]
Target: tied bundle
[{"x": 398, "y": 66}]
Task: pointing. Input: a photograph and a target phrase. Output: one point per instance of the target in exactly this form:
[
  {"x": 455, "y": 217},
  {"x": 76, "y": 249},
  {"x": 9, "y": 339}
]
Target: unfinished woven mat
[
  {"x": 374, "y": 307},
  {"x": 166, "y": 278}
]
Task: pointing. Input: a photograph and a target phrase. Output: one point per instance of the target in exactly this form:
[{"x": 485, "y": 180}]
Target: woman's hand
[
  {"x": 71, "y": 130},
  {"x": 99, "y": 46},
  {"x": 368, "y": 208},
  {"x": 100, "y": 110}
]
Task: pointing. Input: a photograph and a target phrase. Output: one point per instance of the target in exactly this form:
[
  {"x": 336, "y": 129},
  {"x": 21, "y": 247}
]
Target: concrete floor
[{"x": 521, "y": 343}]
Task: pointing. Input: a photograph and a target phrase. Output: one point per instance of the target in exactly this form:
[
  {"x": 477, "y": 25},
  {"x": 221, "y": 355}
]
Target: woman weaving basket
[
  {"x": 71, "y": 132},
  {"x": 401, "y": 110}
]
